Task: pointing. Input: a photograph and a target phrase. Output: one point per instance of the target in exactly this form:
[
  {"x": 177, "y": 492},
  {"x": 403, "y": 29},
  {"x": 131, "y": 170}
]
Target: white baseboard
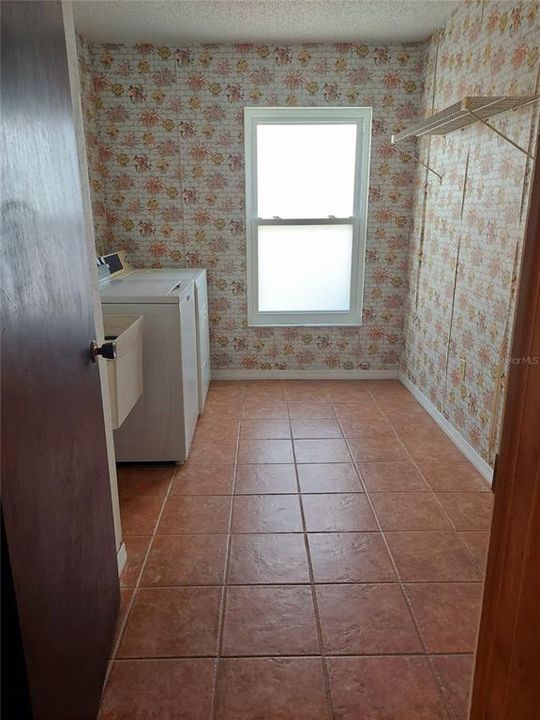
[
  {"x": 305, "y": 374},
  {"x": 459, "y": 441},
  {"x": 121, "y": 558}
]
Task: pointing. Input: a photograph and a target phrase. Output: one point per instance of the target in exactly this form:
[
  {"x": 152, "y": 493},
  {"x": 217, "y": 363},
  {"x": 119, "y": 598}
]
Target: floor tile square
[
  {"x": 429, "y": 446},
  {"x": 231, "y": 408},
  {"x": 185, "y": 560},
  {"x": 453, "y": 477},
  {"x": 432, "y": 556},
  {"x": 261, "y": 390},
  {"x": 447, "y": 615},
  {"x": 144, "y": 479},
  {"x": 265, "y": 410},
  {"x": 350, "y": 558},
  {"x": 271, "y": 478},
  {"x": 205, "y": 480},
  {"x": 315, "y": 428},
  {"x": 266, "y": 514},
  {"x": 265, "y": 429},
  {"x": 211, "y": 452},
  {"x": 172, "y": 622},
  {"x": 338, "y": 512},
  {"x": 372, "y": 426},
  {"x": 346, "y": 391},
  {"x": 317, "y": 395},
  {"x": 411, "y": 420},
  {"x": 374, "y": 449},
  {"x": 321, "y": 451},
  {"x": 207, "y": 443},
  {"x": 179, "y": 689},
  {"x": 271, "y": 620},
  {"x": 384, "y": 688},
  {"x": 455, "y": 678},
  {"x": 265, "y": 451},
  {"x": 349, "y": 410},
  {"x": 271, "y": 688},
  {"x": 193, "y": 514},
  {"x": 409, "y": 511},
  {"x": 299, "y": 409},
  {"x": 367, "y": 619},
  {"x": 388, "y": 476},
  {"x": 214, "y": 428},
  {"x": 468, "y": 511},
  {"x": 139, "y": 514},
  {"x": 268, "y": 558},
  {"x": 329, "y": 478}
]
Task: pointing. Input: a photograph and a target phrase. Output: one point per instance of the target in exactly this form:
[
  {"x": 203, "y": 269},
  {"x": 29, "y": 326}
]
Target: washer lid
[
  {"x": 167, "y": 273},
  {"x": 133, "y": 289}
]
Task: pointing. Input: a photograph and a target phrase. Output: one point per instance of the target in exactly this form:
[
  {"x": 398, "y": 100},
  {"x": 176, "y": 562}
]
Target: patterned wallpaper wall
[
  {"x": 476, "y": 213},
  {"x": 165, "y": 144}
]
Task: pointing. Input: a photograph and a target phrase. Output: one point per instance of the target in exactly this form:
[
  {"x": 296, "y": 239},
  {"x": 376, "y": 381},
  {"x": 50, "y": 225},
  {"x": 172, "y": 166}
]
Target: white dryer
[
  {"x": 198, "y": 275},
  {"x": 161, "y": 425}
]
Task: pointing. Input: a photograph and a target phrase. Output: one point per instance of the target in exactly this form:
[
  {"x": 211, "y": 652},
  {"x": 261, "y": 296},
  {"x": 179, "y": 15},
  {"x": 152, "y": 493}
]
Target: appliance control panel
[{"x": 112, "y": 265}]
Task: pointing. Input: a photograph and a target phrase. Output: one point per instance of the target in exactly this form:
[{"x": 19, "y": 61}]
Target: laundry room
[{"x": 306, "y": 251}]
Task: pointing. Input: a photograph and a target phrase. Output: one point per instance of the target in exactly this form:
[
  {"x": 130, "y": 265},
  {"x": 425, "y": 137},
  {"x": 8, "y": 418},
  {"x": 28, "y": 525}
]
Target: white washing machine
[{"x": 161, "y": 425}]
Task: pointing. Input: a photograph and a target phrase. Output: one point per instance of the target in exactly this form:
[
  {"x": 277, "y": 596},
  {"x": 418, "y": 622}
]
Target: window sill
[{"x": 304, "y": 323}]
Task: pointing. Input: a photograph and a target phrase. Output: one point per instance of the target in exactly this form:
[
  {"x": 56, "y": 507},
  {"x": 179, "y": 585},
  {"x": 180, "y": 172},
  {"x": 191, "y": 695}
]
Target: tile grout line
[
  {"x": 312, "y": 578},
  {"x": 307, "y": 582},
  {"x": 224, "y": 586},
  {"x": 158, "y": 658},
  {"x": 133, "y": 658}
]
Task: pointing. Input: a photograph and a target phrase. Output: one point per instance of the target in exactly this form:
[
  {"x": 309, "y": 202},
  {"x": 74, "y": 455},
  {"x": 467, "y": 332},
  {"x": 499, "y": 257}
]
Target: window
[{"x": 307, "y": 175}]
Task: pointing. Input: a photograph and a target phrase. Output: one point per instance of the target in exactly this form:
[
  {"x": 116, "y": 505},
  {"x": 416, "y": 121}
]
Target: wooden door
[
  {"x": 56, "y": 499},
  {"x": 506, "y": 684}
]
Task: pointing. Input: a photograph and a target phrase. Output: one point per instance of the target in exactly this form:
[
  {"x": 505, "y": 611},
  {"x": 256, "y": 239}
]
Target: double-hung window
[{"x": 307, "y": 172}]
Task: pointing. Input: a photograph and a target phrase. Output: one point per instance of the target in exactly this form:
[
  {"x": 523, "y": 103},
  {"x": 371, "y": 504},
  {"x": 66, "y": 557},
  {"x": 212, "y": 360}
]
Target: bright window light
[
  {"x": 298, "y": 274},
  {"x": 305, "y": 171},
  {"x": 306, "y": 199}
]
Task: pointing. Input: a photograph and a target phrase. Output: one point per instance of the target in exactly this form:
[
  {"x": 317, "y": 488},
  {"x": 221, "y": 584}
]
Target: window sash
[
  {"x": 288, "y": 116},
  {"x": 306, "y": 221}
]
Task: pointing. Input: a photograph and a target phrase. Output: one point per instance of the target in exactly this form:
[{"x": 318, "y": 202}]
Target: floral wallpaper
[
  {"x": 461, "y": 295},
  {"x": 164, "y": 140},
  {"x": 164, "y": 128}
]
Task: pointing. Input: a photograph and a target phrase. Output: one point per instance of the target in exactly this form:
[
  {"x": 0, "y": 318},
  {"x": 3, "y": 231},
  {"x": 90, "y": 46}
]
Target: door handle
[{"x": 107, "y": 350}]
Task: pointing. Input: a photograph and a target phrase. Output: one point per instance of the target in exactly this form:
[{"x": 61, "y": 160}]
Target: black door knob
[{"x": 107, "y": 350}]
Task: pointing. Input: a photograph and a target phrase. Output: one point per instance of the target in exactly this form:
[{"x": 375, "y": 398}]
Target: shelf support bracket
[
  {"x": 416, "y": 158},
  {"x": 499, "y": 133}
]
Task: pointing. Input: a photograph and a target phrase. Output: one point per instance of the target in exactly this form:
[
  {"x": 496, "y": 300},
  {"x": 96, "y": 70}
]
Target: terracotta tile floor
[{"x": 319, "y": 556}]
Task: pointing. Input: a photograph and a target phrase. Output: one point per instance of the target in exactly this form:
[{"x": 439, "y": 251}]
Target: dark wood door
[
  {"x": 506, "y": 683},
  {"x": 56, "y": 498}
]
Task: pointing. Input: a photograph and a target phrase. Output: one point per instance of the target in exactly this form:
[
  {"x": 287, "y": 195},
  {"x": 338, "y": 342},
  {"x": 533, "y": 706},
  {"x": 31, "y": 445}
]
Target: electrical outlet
[{"x": 463, "y": 367}]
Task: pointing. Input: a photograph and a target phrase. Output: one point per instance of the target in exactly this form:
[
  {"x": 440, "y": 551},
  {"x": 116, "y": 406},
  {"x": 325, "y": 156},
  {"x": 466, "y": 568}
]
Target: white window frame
[{"x": 361, "y": 116}]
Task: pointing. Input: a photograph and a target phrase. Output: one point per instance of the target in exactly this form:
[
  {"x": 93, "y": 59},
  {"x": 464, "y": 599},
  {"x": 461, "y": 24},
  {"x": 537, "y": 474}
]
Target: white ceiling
[{"x": 281, "y": 21}]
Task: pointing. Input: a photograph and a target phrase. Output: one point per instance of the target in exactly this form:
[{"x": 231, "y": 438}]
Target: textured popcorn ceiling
[{"x": 283, "y": 21}]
